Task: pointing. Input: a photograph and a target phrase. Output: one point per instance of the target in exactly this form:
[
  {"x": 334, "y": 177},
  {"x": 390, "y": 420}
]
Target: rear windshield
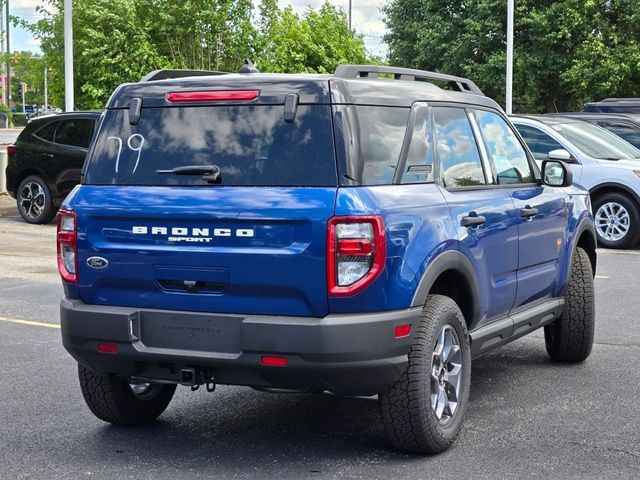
[{"x": 251, "y": 145}]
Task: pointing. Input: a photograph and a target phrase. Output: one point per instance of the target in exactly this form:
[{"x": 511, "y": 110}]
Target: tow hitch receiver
[{"x": 194, "y": 377}]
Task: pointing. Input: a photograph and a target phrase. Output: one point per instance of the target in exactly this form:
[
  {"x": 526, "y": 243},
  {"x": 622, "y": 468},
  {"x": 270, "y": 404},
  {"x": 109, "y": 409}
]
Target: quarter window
[
  {"x": 47, "y": 132},
  {"x": 630, "y": 134},
  {"x": 419, "y": 163},
  {"x": 460, "y": 164},
  {"x": 504, "y": 149}
]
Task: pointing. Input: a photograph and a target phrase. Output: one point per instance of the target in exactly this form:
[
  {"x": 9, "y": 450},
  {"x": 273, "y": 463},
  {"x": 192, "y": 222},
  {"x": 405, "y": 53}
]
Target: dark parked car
[
  {"x": 615, "y": 105},
  {"x": 625, "y": 126},
  {"x": 46, "y": 161}
]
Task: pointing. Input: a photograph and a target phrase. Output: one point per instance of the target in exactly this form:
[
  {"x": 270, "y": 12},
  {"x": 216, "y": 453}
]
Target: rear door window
[
  {"x": 252, "y": 146},
  {"x": 75, "y": 133},
  {"x": 538, "y": 142},
  {"x": 458, "y": 155}
]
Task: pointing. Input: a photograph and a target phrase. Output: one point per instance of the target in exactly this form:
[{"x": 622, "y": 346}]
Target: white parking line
[{"x": 607, "y": 251}]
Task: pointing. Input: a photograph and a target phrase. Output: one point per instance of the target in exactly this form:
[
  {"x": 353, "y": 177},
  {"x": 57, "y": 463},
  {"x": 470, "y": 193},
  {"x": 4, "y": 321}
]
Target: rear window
[{"x": 252, "y": 146}]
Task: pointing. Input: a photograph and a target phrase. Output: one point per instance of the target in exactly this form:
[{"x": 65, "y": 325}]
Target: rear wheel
[
  {"x": 423, "y": 412},
  {"x": 34, "y": 200},
  {"x": 570, "y": 338},
  {"x": 617, "y": 220},
  {"x": 114, "y": 400}
]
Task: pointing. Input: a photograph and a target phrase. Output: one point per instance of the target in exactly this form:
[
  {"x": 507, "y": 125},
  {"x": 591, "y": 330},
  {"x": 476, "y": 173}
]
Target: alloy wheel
[
  {"x": 446, "y": 374},
  {"x": 612, "y": 221},
  {"x": 32, "y": 199}
]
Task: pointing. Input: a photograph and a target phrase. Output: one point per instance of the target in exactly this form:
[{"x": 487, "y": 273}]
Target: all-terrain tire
[
  {"x": 570, "y": 338},
  {"x": 112, "y": 400},
  {"x": 409, "y": 419}
]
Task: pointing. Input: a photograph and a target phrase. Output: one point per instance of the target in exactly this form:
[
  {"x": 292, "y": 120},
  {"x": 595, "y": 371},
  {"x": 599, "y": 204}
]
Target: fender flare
[
  {"x": 449, "y": 260},
  {"x": 585, "y": 225}
]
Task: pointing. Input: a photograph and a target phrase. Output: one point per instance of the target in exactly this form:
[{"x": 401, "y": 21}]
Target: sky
[{"x": 366, "y": 20}]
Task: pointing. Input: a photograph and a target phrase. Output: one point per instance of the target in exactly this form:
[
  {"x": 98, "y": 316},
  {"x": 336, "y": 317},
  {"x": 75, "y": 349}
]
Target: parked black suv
[
  {"x": 46, "y": 162},
  {"x": 614, "y": 105}
]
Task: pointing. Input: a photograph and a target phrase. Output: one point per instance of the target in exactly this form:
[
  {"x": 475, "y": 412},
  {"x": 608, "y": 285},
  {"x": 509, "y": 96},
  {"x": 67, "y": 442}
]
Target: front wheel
[
  {"x": 617, "y": 220},
  {"x": 423, "y": 412},
  {"x": 114, "y": 400},
  {"x": 570, "y": 338}
]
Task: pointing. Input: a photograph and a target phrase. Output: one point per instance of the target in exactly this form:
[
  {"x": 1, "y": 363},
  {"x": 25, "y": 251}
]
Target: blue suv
[{"x": 362, "y": 233}]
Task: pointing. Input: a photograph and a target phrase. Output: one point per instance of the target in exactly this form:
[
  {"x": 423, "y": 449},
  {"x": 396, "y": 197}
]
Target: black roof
[
  {"x": 634, "y": 118},
  {"x": 401, "y": 88},
  {"x": 76, "y": 114}
]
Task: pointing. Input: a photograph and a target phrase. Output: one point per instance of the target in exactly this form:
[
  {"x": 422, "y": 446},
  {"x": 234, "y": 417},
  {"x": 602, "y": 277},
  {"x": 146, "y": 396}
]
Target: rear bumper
[{"x": 344, "y": 354}]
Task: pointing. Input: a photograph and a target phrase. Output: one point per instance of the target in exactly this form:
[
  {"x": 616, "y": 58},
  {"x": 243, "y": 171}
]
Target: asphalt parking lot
[{"x": 528, "y": 417}]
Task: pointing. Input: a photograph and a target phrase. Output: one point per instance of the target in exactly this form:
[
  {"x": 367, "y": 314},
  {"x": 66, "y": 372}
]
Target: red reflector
[
  {"x": 107, "y": 348},
  {"x": 402, "y": 330},
  {"x": 350, "y": 246},
  {"x": 213, "y": 96},
  {"x": 274, "y": 361}
]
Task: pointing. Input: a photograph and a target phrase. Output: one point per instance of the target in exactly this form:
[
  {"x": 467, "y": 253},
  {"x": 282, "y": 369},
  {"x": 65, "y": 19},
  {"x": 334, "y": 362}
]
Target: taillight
[
  {"x": 213, "y": 96},
  {"x": 11, "y": 149},
  {"x": 68, "y": 246},
  {"x": 356, "y": 253}
]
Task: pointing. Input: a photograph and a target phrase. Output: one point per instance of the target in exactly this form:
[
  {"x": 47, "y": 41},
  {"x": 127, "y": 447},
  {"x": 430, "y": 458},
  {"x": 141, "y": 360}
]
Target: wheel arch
[
  {"x": 586, "y": 239},
  {"x": 451, "y": 274},
  {"x": 611, "y": 187},
  {"x": 28, "y": 172}
]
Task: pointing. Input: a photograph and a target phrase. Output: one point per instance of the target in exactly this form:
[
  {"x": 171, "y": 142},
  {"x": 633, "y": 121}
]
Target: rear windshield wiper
[{"x": 210, "y": 173}]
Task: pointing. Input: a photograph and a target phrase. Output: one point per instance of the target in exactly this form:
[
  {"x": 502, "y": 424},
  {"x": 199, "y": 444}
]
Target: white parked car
[{"x": 601, "y": 162}]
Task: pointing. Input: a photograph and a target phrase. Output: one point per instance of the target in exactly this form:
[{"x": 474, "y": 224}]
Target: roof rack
[
  {"x": 459, "y": 84},
  {"x": 167, "y": 74}
]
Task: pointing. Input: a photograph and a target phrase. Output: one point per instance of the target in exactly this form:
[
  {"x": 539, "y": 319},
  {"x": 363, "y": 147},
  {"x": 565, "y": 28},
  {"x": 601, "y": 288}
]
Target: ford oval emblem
[{"x": 97, "y": 262}]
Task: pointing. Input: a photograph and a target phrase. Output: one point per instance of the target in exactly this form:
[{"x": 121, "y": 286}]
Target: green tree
[
  {"x": 26, "y": 67},
  {"x": 118, "y": 41},
  {"x": 566, "y": 52}
]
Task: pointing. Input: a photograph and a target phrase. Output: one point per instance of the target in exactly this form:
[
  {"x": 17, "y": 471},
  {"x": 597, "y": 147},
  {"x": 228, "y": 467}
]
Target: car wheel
[
  {"x": 35, "y": 204},
  {"x": 424, "y": 411},
  {"x": 570, "y": 338},
  {"x": 617, "y": 220},
  {"x": 115, "y": 400}
]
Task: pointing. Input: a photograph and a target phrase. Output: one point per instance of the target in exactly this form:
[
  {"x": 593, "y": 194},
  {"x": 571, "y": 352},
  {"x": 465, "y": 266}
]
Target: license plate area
[{"x": 193, "y": 332}]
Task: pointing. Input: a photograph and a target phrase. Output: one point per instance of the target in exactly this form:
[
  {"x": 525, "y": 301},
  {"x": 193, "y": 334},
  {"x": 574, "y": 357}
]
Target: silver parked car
[{"x": 601, "y": 162}]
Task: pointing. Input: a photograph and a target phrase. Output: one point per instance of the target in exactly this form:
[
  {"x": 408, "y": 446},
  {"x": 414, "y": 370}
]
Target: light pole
[
  {"x": 8, "y": 70},
  {"x": 349, "y": 14},
  {"x": 68, "y": 56},
  {"x": 508, "y": 99}
]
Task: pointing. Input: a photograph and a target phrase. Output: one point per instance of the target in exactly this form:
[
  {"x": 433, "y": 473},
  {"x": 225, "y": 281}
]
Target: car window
[
  {"x": 504, "y": 149},
  {"x": 460, "y": 164},
  {"x": 596, "y": 141},
  {"x": 626, "y": 132},
  {"x": 47, "y": 132},
  {"x": 76, "y": 132},
  {"x": 538, "y": 142},
  {"x": 419, "y": 163},
  {"x": 251, "y": 145}
]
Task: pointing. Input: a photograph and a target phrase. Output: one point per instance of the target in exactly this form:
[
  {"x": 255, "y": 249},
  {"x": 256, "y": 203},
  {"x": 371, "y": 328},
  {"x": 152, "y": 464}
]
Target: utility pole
[
  {"x": 68, "y": 55},
  {"x": 46, "y": 91},
  {"x": 4, "y": 81},
  {"x": 8, "y": 70},
  {"x": 349, "y": 14},
  {"x": 508, "y": 99}
]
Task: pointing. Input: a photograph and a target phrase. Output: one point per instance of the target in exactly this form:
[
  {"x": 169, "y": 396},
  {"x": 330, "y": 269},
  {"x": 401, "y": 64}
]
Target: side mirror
[
  {"x": 562, "y": 155},
  {"x": 556, "y": 174}
]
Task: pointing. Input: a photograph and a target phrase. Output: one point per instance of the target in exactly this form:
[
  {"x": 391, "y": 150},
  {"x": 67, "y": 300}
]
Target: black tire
[
  {"x": 570, "y": 338},
  {"x": 34, "y": 201},
  {"x": 634, "y": 220},
  {"x": 112, "y": 400},
  {"x": 410, "y": 421}
]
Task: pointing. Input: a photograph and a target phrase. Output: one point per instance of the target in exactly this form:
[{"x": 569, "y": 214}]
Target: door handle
[
  {"x": 46, "y": 155},
  {"x": 529, "y": 212},
  {"x": 473, "y": 220}
]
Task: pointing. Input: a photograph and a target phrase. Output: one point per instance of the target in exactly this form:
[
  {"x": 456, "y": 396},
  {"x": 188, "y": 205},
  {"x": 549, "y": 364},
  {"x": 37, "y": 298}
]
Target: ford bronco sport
[{"x": 362, "y": 233}]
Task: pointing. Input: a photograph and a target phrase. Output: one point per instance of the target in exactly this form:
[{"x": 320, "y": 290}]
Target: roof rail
[
  {"x": 459, "y": 84},
  {"x": 167, "y": 74}
]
